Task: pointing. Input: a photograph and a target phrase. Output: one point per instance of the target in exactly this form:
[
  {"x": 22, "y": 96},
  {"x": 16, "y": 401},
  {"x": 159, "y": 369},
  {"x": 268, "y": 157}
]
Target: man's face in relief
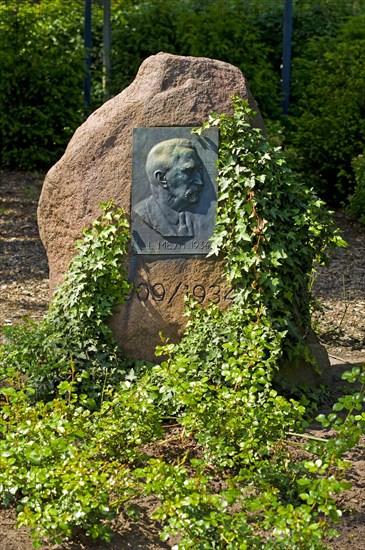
[{"x": 183, "y": 180}]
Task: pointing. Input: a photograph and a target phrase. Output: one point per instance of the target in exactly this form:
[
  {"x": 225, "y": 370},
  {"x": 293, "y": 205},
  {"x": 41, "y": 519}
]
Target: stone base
[{"x": 302, "y": 373}]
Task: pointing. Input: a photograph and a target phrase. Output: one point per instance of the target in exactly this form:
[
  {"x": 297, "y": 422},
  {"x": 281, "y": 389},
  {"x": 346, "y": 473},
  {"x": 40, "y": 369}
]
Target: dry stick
[
  {"x": 340, "y": 359},
  {"x": 307, "y": 436},
  {"x": 347, "y": 301}
]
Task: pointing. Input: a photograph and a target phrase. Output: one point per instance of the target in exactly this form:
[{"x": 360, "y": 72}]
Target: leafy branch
[{"x": 80, "y": 424}]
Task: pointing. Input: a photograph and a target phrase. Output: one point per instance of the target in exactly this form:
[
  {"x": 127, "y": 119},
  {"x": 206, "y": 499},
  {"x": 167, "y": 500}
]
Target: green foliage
[
  {"x": 270, "y": 227},
  {"x": 41, "y": 76},
  {"x": 357, "y": 200},
  {"x": 74, "y": 337},
  {"x": 230, "y": 33},
  {"x": 42, "y": 71},
  {"x": 66, "y": 467},
  {"x": 140, "y": 30},
  {"x": 69, "y": 464},
  {"x": 322, "y": 18},
  {"x": 329, "y": 124}
]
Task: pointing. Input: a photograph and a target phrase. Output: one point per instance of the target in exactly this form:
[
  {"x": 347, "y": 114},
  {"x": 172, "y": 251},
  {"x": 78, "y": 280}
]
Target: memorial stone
[
  {"x": 139, "y": 150},
  {"x": 114, "y": 155}
]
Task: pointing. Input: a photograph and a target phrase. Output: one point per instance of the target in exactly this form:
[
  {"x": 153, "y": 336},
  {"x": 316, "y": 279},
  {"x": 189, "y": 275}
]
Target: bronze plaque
[{"x": 174, "y": 195}]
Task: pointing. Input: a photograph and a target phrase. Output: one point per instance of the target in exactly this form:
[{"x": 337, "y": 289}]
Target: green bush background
[
  {"x": 42, "y": 72},
  {"x": 41, "y": 80}
]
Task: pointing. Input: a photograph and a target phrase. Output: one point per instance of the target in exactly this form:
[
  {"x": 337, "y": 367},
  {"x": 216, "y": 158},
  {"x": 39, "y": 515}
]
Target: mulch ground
[{"x": 341, "y": 325}]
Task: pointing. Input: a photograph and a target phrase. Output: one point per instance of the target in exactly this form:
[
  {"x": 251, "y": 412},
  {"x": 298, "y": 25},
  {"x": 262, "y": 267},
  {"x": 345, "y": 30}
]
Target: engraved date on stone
[{"x": 160, "y": 292}]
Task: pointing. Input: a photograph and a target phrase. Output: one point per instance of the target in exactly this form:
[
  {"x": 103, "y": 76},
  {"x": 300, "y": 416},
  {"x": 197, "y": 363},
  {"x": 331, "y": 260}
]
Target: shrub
[
  {"x": 222, "y": 30},
  {"x": 73, "y": 340},
  {"x": 140, "y": 30},
  {"x": 329, "y": 129},
  {"x": 42, "y": 68},
  {"x": 41, "y": 80},
  {"x": 357, "y": 200},
  {"x": 322, "y": 18},
  {"x": 232, "y": 479}
]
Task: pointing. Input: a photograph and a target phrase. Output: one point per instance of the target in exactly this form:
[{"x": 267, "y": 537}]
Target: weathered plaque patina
[{"x": 174, "y": 193}]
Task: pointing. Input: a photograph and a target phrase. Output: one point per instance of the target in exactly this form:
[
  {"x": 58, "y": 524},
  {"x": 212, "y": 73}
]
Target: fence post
[
  {"x": 106, "y": 50},
  {"x": 87, "y": 45},
  {"x": 287, "y": 38}
]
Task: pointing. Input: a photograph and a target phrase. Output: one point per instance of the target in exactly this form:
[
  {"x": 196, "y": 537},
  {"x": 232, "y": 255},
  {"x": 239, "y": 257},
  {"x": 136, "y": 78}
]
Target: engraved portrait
[{"x": 174, "y": 198}]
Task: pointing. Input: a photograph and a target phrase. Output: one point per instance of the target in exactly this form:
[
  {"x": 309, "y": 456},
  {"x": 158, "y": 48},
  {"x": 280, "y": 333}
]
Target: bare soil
[{"x": 340, "y": 289}]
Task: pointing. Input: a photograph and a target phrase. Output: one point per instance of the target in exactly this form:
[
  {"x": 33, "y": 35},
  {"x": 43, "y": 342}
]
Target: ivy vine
[
  {"x": 75, "y": 452},
  {"x": 74, "y": 335}
]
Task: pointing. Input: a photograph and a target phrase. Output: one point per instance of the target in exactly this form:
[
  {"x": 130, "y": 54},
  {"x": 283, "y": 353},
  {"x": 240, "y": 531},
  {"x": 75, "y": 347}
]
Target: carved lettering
[
  {"x": 229, "y": 295},
  {"x": 176, "y": 290},
  {"x": 160, "y": 292},
  {"x": 143, "y": 292},
  {"x": 200, "y": 245},
  {"x": 215, "y": 293},
  {"x": 199, "y": 293}
]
